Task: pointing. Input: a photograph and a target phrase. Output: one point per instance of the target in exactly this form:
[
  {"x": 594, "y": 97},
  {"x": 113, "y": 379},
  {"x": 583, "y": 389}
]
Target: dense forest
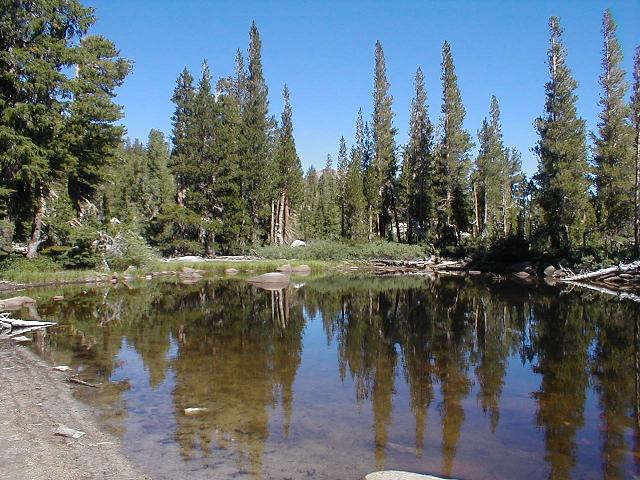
[{"x": 229, "y": 178}]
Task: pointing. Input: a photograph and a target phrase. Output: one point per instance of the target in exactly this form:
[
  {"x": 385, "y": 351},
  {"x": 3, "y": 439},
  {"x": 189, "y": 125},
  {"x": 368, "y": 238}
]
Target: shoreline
[
  {"x": 36, "y": 400},
  {"x": 191, "y": 271}
]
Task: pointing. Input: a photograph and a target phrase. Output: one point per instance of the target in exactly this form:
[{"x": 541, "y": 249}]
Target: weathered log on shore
[
  {"x": 14, "y": 327},
  {"x": 626, "y": 273},
  {"x": 622, "y": 281}
]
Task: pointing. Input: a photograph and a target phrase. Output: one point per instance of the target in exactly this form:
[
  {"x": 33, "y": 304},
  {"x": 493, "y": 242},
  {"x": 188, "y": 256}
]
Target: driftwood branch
[
  {"x": 13, "y": 327},
  {"x": 82, "y": 382}
]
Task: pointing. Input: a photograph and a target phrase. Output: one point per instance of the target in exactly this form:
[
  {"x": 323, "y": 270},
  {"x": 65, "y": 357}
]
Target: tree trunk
[
  {"x": 476, "y": 209},
  {"x": 36, "y": 234}
]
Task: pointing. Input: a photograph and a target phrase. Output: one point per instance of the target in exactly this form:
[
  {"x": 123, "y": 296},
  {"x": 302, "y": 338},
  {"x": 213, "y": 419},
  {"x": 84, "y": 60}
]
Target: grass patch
[{"x": 323, "y": 250}]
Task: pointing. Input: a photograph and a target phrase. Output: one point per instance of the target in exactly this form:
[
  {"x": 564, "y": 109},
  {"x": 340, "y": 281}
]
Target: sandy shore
[{"x": 35, "y": 399}]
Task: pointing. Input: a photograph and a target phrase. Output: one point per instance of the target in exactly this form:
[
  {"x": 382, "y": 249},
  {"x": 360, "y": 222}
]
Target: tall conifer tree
[
  {"x": 613, "y": 154},
  {"x": 289, "y": 181},
  {"x": 562, "y": 167},
  {"x": 255, "y": 140},
  {"x": 418, "y": 165},
  {"x": 385, "y": 162},
  {"x": 451, "y": 179}
]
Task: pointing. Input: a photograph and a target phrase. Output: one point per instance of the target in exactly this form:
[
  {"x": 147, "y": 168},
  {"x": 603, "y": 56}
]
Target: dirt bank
[{"x": 35, "y": 399}]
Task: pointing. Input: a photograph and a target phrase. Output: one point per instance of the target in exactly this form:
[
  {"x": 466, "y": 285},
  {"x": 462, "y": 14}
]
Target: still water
[{"x": 342, "y": 375}]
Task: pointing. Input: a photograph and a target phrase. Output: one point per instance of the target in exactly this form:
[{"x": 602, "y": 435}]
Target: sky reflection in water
[{"x": 346, "y": 375}]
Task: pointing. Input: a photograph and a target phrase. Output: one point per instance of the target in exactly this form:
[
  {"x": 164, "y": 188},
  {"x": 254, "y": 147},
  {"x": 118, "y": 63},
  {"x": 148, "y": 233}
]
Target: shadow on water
[{"x": 343, "y": 375}]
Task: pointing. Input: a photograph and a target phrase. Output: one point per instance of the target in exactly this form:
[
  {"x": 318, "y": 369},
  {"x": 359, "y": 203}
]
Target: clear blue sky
[{"x": 324, "y": 51}]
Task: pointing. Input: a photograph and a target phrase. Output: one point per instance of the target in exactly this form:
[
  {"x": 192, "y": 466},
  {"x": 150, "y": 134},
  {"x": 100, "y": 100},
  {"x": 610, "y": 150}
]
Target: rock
[
  {"x": 475, "y": 272},
  {"x": 549, "y": 271},
  {"x": 191, "y": 271},
  {"x": 16, "y": 303},
  {"x": 271, "y": 280},
  {"x": 301, "y": 269},
  {"x": 231, "y": 271},
  {"x": 397, "y": 475},
  {"x": 65, "y": 431},
  {"x": 298, "y": 243},
  {"x": 284, "y": 268},
  {"x": 62, "y": 368},
  {"x": 58, "y": 298},
  {"x": 195, "y": 410},
  {"x": 522, "y": 275}
]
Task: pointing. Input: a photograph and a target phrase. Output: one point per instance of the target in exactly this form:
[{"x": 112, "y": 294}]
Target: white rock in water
[
  {"x": 195, "y": 410},
  {"x": 65, "y": 431},
  {"x": 298, "y": 243},
  {"x": 396, "y": 475}
]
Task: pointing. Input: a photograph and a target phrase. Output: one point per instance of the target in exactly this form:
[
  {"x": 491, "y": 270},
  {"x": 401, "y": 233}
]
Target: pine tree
[
  {"x": 635, "y": 123},
  {"x": 229, "y": 209},
  {"x": 289, "y": 180},
  {"x": 418, "y": 165},
  {"x": 255, "y": 146},
  {"x": 308, "y": 215},
  {"x": 329, "y": 214},
  {"x": 613, "y": 145},
  {"x": 451, "y": 176},
  {"x": 562, "y": 167},
  {"x": 384, "y": 162},
  {"x": 342, "y": 170},
  {"x": 364, "y": 146},
  {"x": 356, "y": 211},
  {"x": 490, "y": 175},
  {"x": 182, "y": 120},
  {"x": 53, "y": 127},
  {"x": 161, "y": 189}
]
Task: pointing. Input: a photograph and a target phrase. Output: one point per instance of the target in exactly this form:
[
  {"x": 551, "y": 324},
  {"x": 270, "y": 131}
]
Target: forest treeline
[{"x": 229, "y": 178}]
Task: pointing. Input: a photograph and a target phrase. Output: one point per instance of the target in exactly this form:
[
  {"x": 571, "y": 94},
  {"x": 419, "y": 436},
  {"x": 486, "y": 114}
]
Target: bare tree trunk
[
  {"x": 36, "y": 234},
  {"x": 272, "y": 230},
  {"x": 370, "y": 236},
  {"x": 476, "y": 209}
]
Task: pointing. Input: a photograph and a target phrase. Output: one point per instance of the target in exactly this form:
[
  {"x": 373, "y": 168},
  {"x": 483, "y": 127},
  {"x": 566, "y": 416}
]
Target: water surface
[{"x": 342, "y": 375}]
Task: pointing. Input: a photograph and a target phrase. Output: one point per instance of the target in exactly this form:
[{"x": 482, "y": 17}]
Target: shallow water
[{"x": 343, "y": 375}]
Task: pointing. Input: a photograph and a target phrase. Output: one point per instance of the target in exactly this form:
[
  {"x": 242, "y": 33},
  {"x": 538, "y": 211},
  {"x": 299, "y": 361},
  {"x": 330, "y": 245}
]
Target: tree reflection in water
[{"x": 460, "y": 351}]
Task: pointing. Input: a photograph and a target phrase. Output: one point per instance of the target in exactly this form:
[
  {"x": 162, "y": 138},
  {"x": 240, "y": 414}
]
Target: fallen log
[
  {"x": 14, "y": 327},
  {"x": 630, "y": 269}
]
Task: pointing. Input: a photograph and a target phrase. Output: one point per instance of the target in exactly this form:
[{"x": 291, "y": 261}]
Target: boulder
[
  {"x": 475, "y": 272},
  {"x": 273, "y": 280},
  {"x": 298, "y": 243},
  {"x": 16, "y": 303},
  {"x": 231, "y": 271},
  {"x": 522, "y": 275},
  {"x": 191, "y": 271},
  {"x": 549, "y": 271},
  {"x": 284, "y": 268},
  {"x": 301, "y": 269}
]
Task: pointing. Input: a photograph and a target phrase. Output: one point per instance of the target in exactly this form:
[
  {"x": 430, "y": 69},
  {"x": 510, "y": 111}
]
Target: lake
[{"x": 341, "y": 375}]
